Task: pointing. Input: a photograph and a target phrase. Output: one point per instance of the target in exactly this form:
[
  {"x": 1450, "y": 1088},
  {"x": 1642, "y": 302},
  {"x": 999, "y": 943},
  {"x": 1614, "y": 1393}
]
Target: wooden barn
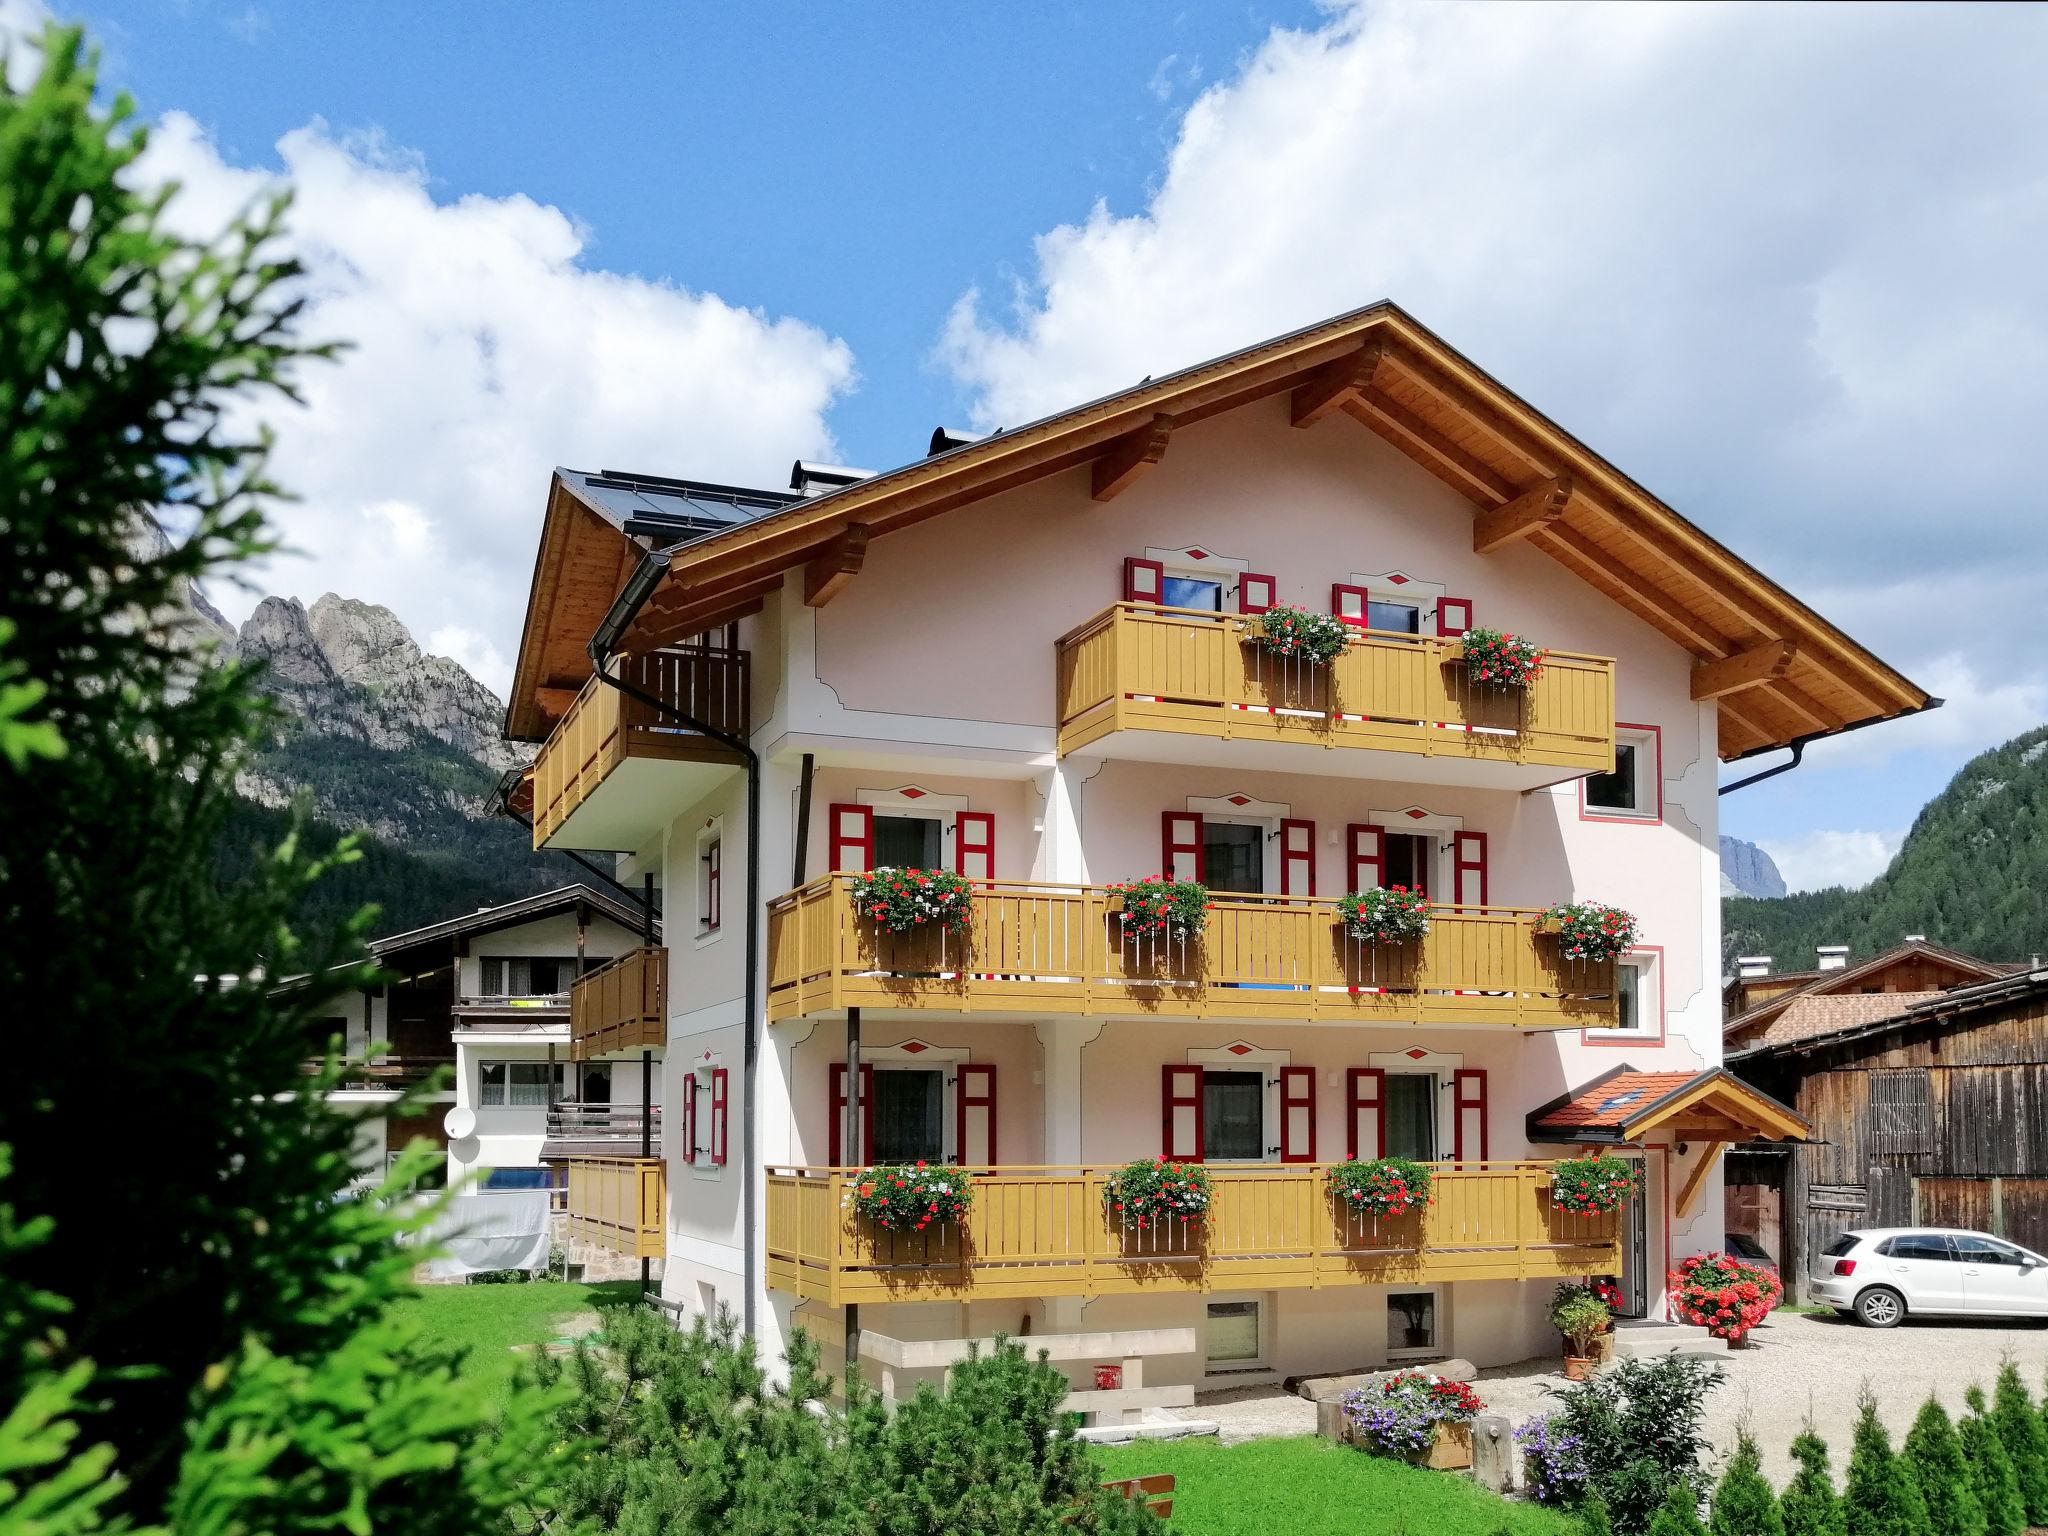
[{"x": 1936, "y": 1113}]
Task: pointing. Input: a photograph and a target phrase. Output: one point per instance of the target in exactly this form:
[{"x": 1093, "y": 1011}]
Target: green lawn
[
  {"x": 493, "y": 1320},
  {"x": 1309, "y": 1487}
]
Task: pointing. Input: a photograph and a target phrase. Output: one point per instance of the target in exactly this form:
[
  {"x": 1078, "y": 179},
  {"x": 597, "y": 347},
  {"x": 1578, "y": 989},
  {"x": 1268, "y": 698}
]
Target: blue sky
[{"x": 1781, "y": 264}]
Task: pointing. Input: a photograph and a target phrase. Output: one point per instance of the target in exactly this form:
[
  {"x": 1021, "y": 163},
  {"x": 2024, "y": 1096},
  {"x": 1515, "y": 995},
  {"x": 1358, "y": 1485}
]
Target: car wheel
[{"x": 1880, "y": 1307}]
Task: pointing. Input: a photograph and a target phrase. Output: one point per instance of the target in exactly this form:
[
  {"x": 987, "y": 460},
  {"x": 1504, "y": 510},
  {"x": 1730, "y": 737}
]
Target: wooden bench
[{"x": 1155, "y": 1493}]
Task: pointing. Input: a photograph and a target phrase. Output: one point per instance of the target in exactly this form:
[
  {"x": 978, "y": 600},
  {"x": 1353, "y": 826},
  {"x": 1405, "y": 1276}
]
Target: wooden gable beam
[
  {"x": 1535, "y": 508},
  {"x": 825, "y": 574},
  {"x": 1765, "y": 663},
  {"x": 1129, "y": 456},
  {"x": 1335, "y": 385}
]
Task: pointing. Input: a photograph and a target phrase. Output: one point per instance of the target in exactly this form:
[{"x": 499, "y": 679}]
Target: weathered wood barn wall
[{"x": 1938, "y": 1117}]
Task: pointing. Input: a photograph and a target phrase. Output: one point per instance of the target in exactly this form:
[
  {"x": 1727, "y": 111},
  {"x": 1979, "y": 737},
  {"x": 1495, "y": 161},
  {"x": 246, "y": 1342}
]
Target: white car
[{"x": 1882, "y": 1275}]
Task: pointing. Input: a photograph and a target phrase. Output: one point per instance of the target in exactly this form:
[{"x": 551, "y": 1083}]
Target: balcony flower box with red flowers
[
  {"x": 1724, "y": 1295},
  {"x": 910, "y": 1197},
  {"x": 1494, "y": 659},
  {"x": 907, "y": 900},
  {"x": 1589, "y": 930},
  {"x": 1382, "y": 1186},
  {"x": 1593, "y": 1186}
]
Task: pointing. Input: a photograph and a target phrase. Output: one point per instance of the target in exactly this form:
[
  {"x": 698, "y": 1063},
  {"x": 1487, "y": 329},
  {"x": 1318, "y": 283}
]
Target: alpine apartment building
[{"x": 1029, "y": 658}]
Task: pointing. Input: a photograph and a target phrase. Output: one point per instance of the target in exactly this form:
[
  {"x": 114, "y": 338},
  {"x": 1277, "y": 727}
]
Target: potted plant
[
  {"x": 1593, "y": 1185},
  {"x": 1724, "y": 1295},
  {"x": 1153, "y": 908},
  {"x": 1499, "y": 660},
  {"x": 909, "y": 1197},
  {"x": 1394, "y": 915},
  {"x": 1589, "y": 930},
  {"x": 1295, "y": 634},
  {"x": 1153, "y": 1194},
  {"x": 905, "y": 900},
  {"x": 1580, "y": 1318},
  {"x": 1381, "y": 1186},
  {"x": 1416, "y": 1416}
]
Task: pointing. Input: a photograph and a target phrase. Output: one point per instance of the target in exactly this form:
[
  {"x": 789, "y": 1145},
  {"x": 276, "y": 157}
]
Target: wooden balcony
[
  {"x": 1060, "y": 949},
  {"x": 616, "y": 769},
  {"x": 1046, "y": 1232},
  {"x": 620, "y": 1006},
  {"x": 619, "y": 1203},
  {"x": 1135, "y": 676}
]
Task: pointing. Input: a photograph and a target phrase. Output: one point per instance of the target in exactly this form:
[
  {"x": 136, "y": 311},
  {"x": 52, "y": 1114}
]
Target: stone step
[{"x": 1638, "y": 1338}]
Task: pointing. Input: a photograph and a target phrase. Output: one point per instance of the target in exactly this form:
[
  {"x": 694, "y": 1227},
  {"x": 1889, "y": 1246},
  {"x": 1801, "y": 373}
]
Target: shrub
[
  {"x": 905, "y": 900},
  {"x": 1723, "y": 1294},
  {"x": 1934, "y": 1460},
  {"x": 1152, "y": 1192},
  {"x": 1501, "y": 660},
  {"x": 1595, "y": 1184},
  {"x": 1580, "y": 1317},
  {"x": 1398, "y": 1415},
  {"x": 1554, "y": 1464},
  {"x": 1590, "y": 930},
  {"x": 1395, "y": 915},
  {"x": 1162, "y": 909},
  {"x": 1637, "y": 1425},
  {"x": 908, "y": 1197},
  {"x": 1679, "y": 1515},
  {"x": 2025, "y": 1439},
  {"x": 1385, "y": 1186},
  {"x": 1810, "y": 1506},
  {"x": 1743, "y": 1502},
  {"x": 1997, "y": 1485},
  {"x": 1297, "y": 634},
  {"x": 1881, "y": 1499}
]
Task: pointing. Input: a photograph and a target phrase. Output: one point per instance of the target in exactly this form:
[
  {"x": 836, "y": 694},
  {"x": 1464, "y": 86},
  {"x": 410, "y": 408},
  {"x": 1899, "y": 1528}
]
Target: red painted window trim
[
  {"x": 1356, "y": 863},
  {"x": 718, "y": 1116},
  {"x": 965, "y": 1099},
  {"x": 1169, "y": 845},
  {"x": 1170, "y": 1101},
  {"x": 838, "y": 843},
  {"x": 1297, "y": 1091},
  {"x": 1444, "y": 626},
  {"x": 689, "y": 1117},
  {"x": 1293, "y": 863},
  {"x": 1255, "y": 593},
  {"x": 1338, "y": 592},
  {"x": 1589, "y": 813},
  {"x": 1461, "y": 866},
  {"x": 982, "y": 842},
  {"x": 835, "y": 1099},
  {"x": 1475, "y": 1077},
  {"x": 1134, "y": 584},
  {"x": 1356, "y": 1078}
]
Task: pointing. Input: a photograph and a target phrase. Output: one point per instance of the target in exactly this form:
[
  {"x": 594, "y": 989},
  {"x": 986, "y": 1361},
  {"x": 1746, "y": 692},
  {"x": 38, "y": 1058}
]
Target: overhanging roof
[
  {"x": 1625, "y": 1105},
  {"x": 1785, "y": 672}
]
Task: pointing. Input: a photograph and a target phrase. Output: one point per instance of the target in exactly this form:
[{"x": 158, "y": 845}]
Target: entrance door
[
  {"x": 1635, "y": 1249},
  {"x": 1410, "y": 1111},
  {"x": 909, "y": 1118}
]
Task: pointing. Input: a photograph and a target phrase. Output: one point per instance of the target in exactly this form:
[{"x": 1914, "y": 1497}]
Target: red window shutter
[
  {"x": 1468, "y": 869},
  {"x": 1349, "y": 604},
  {"x": 1181, "y": 844},
  {"x": 718, "y": 1116},
  {"x": 1297, "y": 858},
  {"x": 1254, "y": 593},
  {"x": 1453, "y": 616},
  {"x": 853, "y": 839},
  {"x": 1365, "y": 847},
  {"x": 835, "y": 1134},
  {"x": 1365, "y": 1124},
  {"x": 974, "y": 1132},
  {"x": 1144, "y": 581},
  {"x": 1297, "y": 1115},
  {"x": 1180, "y": 1137},
  {"x": 689, "y": 1117},
  {"x": 974, "y": 845},
  {"x": 713, "y": 883},
  {"x": 1468, "y": 1115}
]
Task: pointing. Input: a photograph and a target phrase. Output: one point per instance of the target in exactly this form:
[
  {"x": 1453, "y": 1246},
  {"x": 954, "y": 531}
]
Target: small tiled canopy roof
[{"x": 1626, "y": 1105}]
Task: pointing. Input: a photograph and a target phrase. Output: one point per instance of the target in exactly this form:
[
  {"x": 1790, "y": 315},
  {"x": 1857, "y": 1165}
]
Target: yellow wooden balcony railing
[
  {"x": 1139, "y": 667},
  {"x": 619, "y": 1006},
  {"x": 1047, "y": 1232},
  {"x": 604, "y": 727},
  {"x": 619, "y": 1203},
  {"x": 1038, "y": 949}
]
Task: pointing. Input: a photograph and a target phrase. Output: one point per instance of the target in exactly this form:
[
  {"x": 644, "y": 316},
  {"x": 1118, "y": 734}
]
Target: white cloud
[
  {"x": 485, "y": 349},
  {"x": 1816, "y": 860}
]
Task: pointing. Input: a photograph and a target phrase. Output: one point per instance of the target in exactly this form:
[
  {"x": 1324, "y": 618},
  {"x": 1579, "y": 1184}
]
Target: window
[
  {"x": 1233, "y": 857},
  {"x": 1186, "y": 592},
  {"x": 710, "y": 883},
  {"x": 907, "y": 842},
  {"x": 1411, "y": 1323},
  {"x": 1987, "y": 1250},
  {"x": 1930, "y": 1247},
  {"x": 1901, "y": 1113},
  {"x": 517, "y": 1084},
  {"x": 1631, "y": 790},
  {"x": 527, "y": 975},
  {"x": 1400, "y": 618},
  {"x": 1409, "y": 1103},
  {"x": 908, "y": 1123},
  {"x": 1233, "y": 1116},
  {"x": 1233, "y": 1334}
]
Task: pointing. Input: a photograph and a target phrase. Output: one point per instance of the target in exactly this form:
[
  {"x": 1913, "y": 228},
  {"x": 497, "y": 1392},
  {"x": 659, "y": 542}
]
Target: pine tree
[
  {"x": 2026, "y": 1440},
  {"x": 1810, "y": 1506},
  {"x": 1933, "y": 1458},
  {"x": 1882, "y": 1499},
  {"x": 1743, "y": 1502},
  {"x": 1991, "y": 1470},
  {"x": 1680, "y": 1515}
]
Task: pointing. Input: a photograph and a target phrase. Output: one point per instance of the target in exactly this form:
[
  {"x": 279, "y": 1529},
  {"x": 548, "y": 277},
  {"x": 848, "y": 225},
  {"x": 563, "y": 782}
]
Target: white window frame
[
  {"x": 1439, "y": 1344},
  {"x": 1266, "y": 1062},
  {"x": 1261, "y": 1364},
  {"x": 1411, "y": 592},
  {"x": 712, "y": 832},
  {"x": 1649, "y": 754},
  {"x": 1648, "y": 966}
]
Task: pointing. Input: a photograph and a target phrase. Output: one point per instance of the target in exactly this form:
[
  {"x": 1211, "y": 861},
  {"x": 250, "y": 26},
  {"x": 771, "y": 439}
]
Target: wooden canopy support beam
[
  {"x": 1696, "y": 1181},
  {"x": 1764, "y": 663},
  {"x": 825, "y": 574},
  {"x": 1129, "y": 456},
  {"x": 1332, "y": 387},
  {"x": 1535, "y": 508}
]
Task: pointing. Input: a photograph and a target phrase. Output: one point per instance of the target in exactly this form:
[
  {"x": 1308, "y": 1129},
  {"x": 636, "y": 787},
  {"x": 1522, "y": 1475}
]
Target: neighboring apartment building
[{"x": 1022, "y": 658}]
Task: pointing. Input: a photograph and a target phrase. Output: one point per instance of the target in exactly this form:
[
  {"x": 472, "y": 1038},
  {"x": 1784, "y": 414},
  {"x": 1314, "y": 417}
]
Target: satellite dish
[{"x": 459, "y": 1123}]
